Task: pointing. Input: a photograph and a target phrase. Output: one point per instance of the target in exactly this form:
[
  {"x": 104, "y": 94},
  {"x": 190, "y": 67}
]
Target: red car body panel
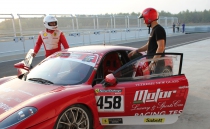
[{"x": 178, "y": 92}]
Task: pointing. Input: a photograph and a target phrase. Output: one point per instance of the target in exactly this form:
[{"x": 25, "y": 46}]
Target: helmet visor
[
  {"x": 140, "y": 16},
  {"x": 54, "y": 23}
]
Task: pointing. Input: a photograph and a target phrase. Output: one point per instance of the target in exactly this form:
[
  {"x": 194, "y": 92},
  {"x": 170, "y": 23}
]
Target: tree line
[{"x": 184, "y": 17}]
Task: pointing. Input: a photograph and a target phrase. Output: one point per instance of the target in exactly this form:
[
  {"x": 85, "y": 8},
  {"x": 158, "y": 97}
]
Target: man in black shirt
[{"x": 157, "y": 39}]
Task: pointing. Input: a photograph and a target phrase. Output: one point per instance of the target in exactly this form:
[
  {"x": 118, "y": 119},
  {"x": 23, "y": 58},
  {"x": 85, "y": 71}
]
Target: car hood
[{"x": 17, "y": 91}]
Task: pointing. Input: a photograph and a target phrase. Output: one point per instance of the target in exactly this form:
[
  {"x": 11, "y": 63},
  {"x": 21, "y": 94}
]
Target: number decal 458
[{"x": 110, "y": 103}]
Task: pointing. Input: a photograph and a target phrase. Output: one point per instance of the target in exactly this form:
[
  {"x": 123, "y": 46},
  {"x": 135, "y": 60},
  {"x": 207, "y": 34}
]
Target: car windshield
[{"x": 75, "y": 69}]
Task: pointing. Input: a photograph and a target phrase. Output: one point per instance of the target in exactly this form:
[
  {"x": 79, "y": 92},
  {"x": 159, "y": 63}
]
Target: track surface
[{"x": 7, "y": 69}]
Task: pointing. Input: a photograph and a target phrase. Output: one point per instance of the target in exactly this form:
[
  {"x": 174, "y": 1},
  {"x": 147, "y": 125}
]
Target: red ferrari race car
[{"x": 91, "y": 87}]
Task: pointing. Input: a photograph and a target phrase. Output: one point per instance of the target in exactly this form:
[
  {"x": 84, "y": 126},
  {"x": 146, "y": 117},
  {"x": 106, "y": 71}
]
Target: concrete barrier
[{"x": 197, "y": 29}]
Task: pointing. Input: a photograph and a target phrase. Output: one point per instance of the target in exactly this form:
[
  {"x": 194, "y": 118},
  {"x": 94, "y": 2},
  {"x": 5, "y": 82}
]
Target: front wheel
[{"x": 75, "y": 117}]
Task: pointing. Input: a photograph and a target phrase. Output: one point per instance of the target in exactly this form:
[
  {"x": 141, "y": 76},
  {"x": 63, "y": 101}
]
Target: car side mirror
[
  {"x": 110, "y": 80},
  {"x": 21, "y": 65}
]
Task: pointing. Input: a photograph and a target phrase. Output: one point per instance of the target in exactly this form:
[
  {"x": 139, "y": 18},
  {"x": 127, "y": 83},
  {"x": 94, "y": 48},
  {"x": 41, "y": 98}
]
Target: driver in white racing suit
[{"x": 51, "y": 38}]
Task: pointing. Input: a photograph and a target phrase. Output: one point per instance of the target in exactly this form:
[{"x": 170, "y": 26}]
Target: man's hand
[
  {"x": 152, "y": 66},
  {"x": 33, "y": 54},
  {"x": 132, "y": 53}
]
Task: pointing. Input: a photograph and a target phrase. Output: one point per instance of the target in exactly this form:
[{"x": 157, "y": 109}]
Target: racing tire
[
  {"x": 167, "y": 71},
  {"x": 75, "y": 117}
]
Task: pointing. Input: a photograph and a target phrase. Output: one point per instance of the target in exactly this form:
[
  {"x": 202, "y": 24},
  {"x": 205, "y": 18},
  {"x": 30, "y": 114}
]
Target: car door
[{"x": 141, "y": 96}]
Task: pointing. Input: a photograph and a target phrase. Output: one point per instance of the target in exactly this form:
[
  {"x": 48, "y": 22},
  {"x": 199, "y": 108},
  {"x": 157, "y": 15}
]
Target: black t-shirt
[{"x": 158, "y": 33}]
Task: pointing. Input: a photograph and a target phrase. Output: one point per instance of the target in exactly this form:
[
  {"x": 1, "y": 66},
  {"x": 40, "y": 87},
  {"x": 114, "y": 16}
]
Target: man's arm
[
  {"x": 64, "y": 41},
  {"x": 141, "y": 49},
  {"x": 160, "y": 49},
  {"x": 37, "y": 46}
]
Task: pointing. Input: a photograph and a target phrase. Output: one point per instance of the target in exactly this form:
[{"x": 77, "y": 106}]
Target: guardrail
[
  {"x": 197, "y": 29},
  {"x": 12, "y": 48}
]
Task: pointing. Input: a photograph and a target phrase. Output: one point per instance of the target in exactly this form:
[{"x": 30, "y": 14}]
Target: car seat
[{"x": 111, "y": 63}]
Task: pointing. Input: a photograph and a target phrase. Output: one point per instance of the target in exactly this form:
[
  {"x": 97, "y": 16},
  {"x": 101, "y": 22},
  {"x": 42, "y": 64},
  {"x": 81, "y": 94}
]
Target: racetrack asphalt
[
  {"x": 173, "y": 40},
  {"x": 196, "y": 67}
]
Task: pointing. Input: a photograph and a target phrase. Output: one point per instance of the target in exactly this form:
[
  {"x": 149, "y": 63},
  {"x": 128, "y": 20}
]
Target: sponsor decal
[
  {"x": 64, "y": 55},
  {"x": 112, "y": 120},
  {"x": 171, "y": 112},
  {"x": 183, "y": 87},
  {"x": 154, "y": 120},
  {"x": 160, "y": 106},
  {"x": 97, "y": 91},
  {"x": 45, "y": 34},
  {"x": 89, "y": 58},
  {"x": 25, "y": 92},
  {"x": 4, "y": 106},
  {"x": 157, "y": 83},
  {"x": 54, "y": 34},
  {"x": 150, "y": 113},
  {"x": 108, "y": 91},
  {"x": 76, "y": 56},
  {"x": 6, "y": 89},
  {"x": 144, "y": 96},
  {"x": 110, "y": 100},
  {"x": 8, "y": 98}
]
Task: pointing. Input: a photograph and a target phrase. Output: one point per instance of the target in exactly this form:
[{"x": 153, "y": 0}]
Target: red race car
[{"x": 91, "y": 87}]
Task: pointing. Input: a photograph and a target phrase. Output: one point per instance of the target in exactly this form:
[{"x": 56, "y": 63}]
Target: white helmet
[{"x": 49, "y": 19}]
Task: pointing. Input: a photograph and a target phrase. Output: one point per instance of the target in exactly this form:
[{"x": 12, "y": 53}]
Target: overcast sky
[{"x": 98, "y": 6}]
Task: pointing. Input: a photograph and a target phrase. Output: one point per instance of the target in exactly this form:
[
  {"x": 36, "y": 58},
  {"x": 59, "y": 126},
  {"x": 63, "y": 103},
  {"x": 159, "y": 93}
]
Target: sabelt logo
[
  {"x": 144, "y": 96},
  {"x": 155, "y": 120}
]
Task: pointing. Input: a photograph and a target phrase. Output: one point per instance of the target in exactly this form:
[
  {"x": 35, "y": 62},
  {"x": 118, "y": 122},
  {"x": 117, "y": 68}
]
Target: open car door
[
  {"x": 26, "y": 64},
  {"x": 137, "y": 95}
]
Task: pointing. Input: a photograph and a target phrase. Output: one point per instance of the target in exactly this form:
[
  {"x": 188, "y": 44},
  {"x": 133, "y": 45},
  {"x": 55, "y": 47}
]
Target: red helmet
[{"x": 149, "y": 15}]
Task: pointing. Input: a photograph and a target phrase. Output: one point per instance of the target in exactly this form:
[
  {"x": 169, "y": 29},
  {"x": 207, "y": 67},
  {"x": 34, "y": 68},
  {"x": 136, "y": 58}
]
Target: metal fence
[
  {"x": 18, "y": 35},
  {"x": 31, "y": 24}
]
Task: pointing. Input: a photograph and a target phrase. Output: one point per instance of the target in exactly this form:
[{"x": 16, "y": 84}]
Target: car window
[
  {"x": 113, "y": 61},
  {"x": 138, "y": 69},
  {"x": 64, "y": 69}
]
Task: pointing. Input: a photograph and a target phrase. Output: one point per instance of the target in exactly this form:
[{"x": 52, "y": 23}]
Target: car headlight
[{"x": 18, "y": 116}]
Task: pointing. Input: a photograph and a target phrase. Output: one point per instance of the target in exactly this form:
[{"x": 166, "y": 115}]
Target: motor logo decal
[{"x": 144, "y": 96}]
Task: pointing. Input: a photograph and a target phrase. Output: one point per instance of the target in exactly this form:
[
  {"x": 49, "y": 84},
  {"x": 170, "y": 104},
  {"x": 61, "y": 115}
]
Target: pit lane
[
  {"x": 196, "y": 62},
  {"x": 196, "y": 114}
]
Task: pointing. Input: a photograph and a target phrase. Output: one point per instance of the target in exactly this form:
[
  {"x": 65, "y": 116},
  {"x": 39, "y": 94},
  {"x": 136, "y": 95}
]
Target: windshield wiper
[{"x": 43, "y": 81}]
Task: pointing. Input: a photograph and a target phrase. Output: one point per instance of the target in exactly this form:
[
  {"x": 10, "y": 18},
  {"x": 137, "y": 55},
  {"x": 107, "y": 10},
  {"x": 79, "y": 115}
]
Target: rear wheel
[{"x": 75, "y": 117}]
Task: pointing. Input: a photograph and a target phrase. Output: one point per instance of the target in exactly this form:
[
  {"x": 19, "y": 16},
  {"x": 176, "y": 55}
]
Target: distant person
[
  {"x": 174, "y": 25},
  {"x": 183, "y": 27},
  {"x": 51, "y": 38},
  {"x": 178, "y": 24},
  {"x": 156, "y": 42}
]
